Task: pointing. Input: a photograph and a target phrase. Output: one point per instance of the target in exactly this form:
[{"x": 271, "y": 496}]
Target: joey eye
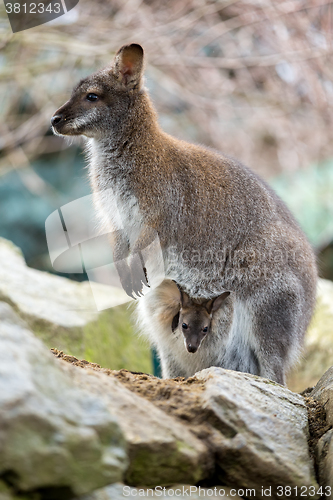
[
  {"x": 184, "y": 326},
  {"x": 91, "y": 97},
  {"x": 205, "y": 330}
]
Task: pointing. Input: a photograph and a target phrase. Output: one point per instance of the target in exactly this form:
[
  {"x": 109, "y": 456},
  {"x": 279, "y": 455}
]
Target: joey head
[{"x": 194, "y": 319}]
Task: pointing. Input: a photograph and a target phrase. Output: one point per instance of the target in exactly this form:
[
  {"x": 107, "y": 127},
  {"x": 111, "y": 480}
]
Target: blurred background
[{"x": 251, "y": 78}]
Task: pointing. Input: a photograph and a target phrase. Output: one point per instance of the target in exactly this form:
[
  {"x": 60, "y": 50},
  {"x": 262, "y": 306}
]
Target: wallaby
[
  {"x": 194, "y": 318},
  {"x": 167, "y": 310},
  {"x": 220, "y": 226}
]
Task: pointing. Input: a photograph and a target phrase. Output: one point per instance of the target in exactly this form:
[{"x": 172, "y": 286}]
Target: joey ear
[
  {"x": 184, "y": 299},
  {"x": 128, "y": 65},
  {"x": 176, "y": 292},
  {"x": 175, "y": 322},
  {"x": 213, "y": 304}
]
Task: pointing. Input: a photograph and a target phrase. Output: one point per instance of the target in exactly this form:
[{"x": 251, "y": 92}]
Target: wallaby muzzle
[
  {"x": 56, "y": 119},
  {"x": 191, "y": 348}
]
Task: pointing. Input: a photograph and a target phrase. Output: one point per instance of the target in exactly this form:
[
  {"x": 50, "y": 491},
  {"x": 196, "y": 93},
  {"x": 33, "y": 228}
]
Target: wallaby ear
[
  {"x": 213, "y": 304},
  {"x": 128, "y": 65}
]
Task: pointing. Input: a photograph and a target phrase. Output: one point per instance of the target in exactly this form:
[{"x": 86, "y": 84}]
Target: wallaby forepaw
[
  {"x": 125, "y": 277},
  {"x": 128, "y": 288},
  {"x": 137, "y": 285},
  {"x": 139, "y": 276}
]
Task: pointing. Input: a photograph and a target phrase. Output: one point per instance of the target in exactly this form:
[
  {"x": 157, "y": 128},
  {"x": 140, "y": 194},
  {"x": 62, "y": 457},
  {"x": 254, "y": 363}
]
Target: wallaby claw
[
  {"x": 138, "y": 292},
  {"x": 129, "y": 291},
  {"x": 125, "y": 278},
  {"x": 146, "y": 283},
  {"x": 139, "y": 277}
]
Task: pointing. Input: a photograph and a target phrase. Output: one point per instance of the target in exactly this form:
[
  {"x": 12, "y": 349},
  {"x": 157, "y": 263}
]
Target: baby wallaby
[
  {"x": 163, "y": 314},
  {"x": 220, "y": 226},
  {"x": 194, "y": 318}
]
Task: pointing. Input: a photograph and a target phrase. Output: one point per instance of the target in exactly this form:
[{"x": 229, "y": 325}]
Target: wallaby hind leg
[
  {"x": 240, "y": 349},
  {"x": 280, "y": 325},
  {"x": 266, "y": 334}
]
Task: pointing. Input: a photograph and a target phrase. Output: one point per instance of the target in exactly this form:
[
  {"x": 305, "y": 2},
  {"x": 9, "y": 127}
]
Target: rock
[
  {"x": 318, "y": 347},
  {"x": 5, "y": 492},
  {"x": 256, "y": 430},
  {"x": 41, "y": 297},
  {"x": 71, "y": 427},
  {"x": 325, "y": 463},
  {"x": 263, "y": 432},
  {"x": 52, "y": 433},
  {"x": 64, "y": 315},
  {"x": 120, "y": 492},
  {"x": 161, "y": 449},
  {"x": 323, "y": 394},
  {"x": 67, "y": 428}
]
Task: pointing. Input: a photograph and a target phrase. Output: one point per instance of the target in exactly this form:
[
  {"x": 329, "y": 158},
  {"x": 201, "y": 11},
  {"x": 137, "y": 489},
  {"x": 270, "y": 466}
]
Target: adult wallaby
[
  {"x": 171, "y": 319},
  {"x": 220, "y": 226}
]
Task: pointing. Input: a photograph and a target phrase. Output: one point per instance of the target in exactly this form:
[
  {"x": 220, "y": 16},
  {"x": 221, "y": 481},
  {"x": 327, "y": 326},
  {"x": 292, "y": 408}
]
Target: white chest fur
[{"x": 117, "y": 208}]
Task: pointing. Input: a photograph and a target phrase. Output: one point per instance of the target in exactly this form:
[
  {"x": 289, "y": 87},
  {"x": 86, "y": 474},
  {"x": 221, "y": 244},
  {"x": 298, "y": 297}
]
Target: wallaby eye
[
  {"x": 184, "y": 326},
  {"x": 205, "y": 330},
  {"x": 92, "y": 97}
]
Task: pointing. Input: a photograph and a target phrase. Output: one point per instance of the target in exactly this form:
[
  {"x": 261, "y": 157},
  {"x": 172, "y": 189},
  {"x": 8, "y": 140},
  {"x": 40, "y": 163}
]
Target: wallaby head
[
  {"x": 194, "y": 319},
  {"x": 103, "y": 100}
]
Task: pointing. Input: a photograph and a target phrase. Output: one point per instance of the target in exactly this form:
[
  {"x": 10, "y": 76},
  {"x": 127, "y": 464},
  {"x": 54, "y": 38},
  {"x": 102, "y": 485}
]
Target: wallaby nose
[
  {"x": 191, "y": 348},
  {"x": 56, "y": 119}
]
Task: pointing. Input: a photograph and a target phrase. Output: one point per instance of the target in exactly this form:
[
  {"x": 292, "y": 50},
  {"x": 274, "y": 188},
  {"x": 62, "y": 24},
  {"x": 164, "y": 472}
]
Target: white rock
[
  {"x": 161, "y": 449},
  {"x": 41, "y": 296},
  {"x": 52, "y": 434},
  {"x": 325, "y": 463},
  {"x": 264, "y": 431},
  {"x": 63, "y": 426},
  {"x": 323, "y": 393}
]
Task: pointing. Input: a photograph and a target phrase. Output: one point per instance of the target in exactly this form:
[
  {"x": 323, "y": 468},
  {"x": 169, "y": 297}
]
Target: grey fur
[{"x": 221, "y": 227}]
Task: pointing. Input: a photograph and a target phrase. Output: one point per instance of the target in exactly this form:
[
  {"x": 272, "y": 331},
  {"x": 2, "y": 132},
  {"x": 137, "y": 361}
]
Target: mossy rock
[
  {"x": 63, "y": 313},
  {"x": 109, "y": 341}
]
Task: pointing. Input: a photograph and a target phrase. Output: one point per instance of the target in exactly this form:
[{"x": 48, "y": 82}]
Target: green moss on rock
[{"x": 109, "y": 341}]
